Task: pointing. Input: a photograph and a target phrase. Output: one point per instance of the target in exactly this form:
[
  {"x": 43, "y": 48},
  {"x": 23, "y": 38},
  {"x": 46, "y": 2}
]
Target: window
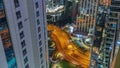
[
  {"x": 115, "y": 3},
  {"x": 110, "y": 30},
  {"x": 42, "y": 66},
  {"x": 27, "y": 66},
  {"x": 108, "y": 39},
  {"x": 108, "y": 44},
  {"x": 113, "y": 25},
  {"x": 109, "y": 35},
  {"x": 40, "y": 49},
  {"x": 39, "y": 29},
  {"x": 23, "y": 43},
  {"x": 36, "y": 5},
  {"x": 24, "y": 52},
  {"x": 106, "y": 61},
  {"x": 107, "y": 57},
  {"x": 40, "y": 43},
  {"x": 16, "y": 2},
  {"x": 41, "y": 61},
  {"x": 114, "y": 8},
  {"x": 25, "y": 60},
  {"x": 18, "y": 14},
  {"x": 41, "y": 55},
  {"x": 21, "y": 35},
  {"x": 38, "y": 21},
  {"x": 39, "y": 36},
  {"x": 106, "y": 64},
  {"x": 20, "y": 26},
  {"x": 107, "y": 53},
  {"x": 114, "y": 14},
  {"x": 107, "y": 48},
  {"x": 37, "y": 14},
  {"x": 113, "y": 20}
]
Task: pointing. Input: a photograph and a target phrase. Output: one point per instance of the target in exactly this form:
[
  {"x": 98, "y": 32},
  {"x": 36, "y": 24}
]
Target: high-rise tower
[
  {"x": 23, "y": 34},
  {"x": 112, "y": 33},
  {"x": 87, "y": 15}
]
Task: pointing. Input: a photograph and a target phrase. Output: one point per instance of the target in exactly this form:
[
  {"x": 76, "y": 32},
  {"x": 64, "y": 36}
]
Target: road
[{"x": 67, "y": 48}]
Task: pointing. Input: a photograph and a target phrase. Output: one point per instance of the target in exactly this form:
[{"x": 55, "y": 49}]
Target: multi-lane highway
[{"x": 67, "y": 48}]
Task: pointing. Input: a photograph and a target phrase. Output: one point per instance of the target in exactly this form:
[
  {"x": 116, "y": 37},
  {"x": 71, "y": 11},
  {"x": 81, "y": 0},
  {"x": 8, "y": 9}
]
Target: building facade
[
  {"x": 112, "y": 33},
  {"x": 86, "y": 15},
  {"x": 23, "y": 34},
  {"x": 106, "y": 32}
]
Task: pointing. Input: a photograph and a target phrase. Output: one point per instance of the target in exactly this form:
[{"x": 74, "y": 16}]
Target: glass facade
[{"x": 6, "y": 39}]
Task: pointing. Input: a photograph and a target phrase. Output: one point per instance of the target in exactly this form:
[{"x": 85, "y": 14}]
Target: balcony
[
  {"x": 115, "y": 3},
  {"x": 108, "y": 50},
  {"x": 111, "y": 31},
  {"x": 107, "y": 54},
  {"x": 115, "y": 8},
  {"x": 110, "y": 40},
  {"x": 114, "y": 15},
  {"x": 110, "y": 36},
  {"x": 108, "y": 44},
  {"x": 112, "y": 25}
]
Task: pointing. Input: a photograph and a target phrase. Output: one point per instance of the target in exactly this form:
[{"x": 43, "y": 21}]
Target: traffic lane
[{"x": 66, "y": 36}]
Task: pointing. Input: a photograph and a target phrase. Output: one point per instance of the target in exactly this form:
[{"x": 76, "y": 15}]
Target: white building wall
[
  {"x": 45, "y": 33},
  {"x": 11, "y": 18},
  {"x": 30, "y": 30},
  {"x": 32, "y": 12},
  {"x": 15, "y": 32},
  {"x": 33, "y": 31}
]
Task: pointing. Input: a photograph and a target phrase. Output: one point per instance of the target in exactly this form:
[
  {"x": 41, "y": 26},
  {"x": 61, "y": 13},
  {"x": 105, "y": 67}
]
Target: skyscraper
[
  {"x": 23, "y": 34},
  {"x": 87, "y": 15},
  {"x": 107, "y": 32},
  {"x": 112, "y": 33}
]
